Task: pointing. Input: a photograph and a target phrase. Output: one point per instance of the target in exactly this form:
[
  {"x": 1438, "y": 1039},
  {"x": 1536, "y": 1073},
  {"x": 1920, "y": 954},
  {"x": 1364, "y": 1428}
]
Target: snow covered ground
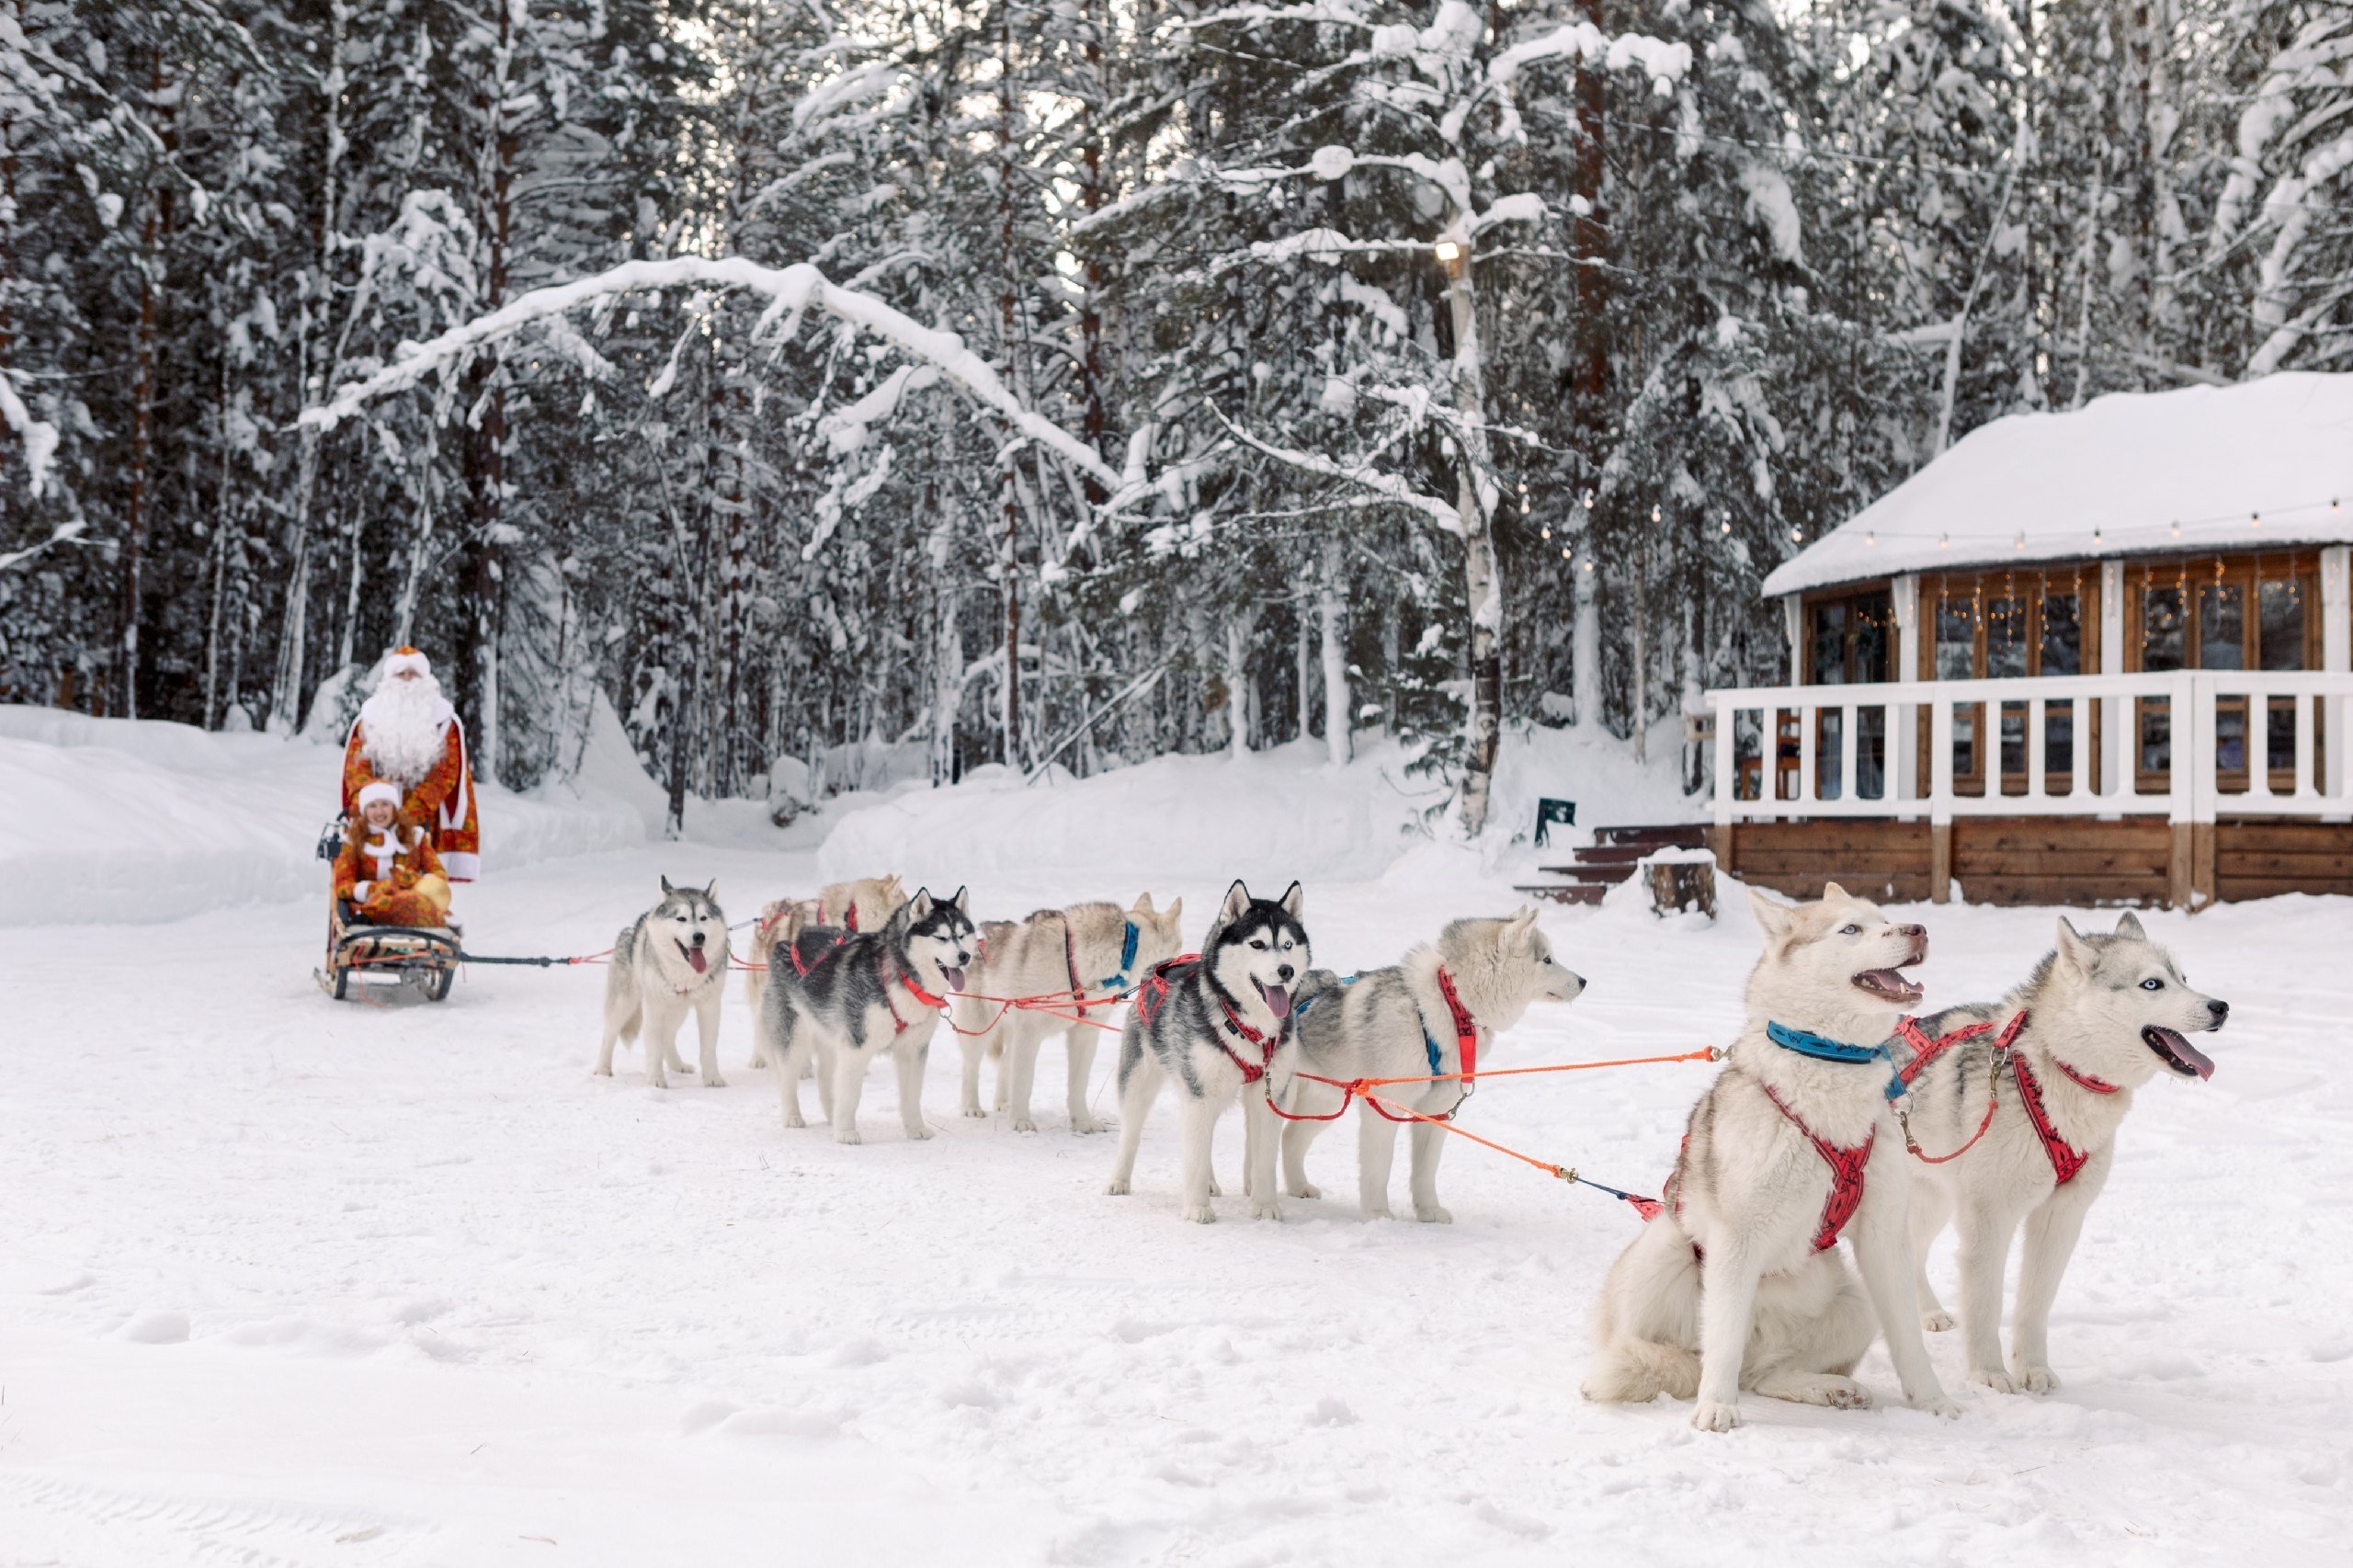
[{"x": 289, "y": 1281}]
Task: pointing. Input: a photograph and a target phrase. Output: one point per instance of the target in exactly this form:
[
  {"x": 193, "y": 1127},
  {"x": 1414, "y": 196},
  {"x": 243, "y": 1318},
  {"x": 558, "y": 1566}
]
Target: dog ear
[
  {"x": 1831, "y": 891},
  {"x": 2074, "y": 953},
  {"x": 963, "y": 904},
  {"x": 667, "y": 889},
  {"x": 1175, "y": 913},
  {"x": 1237, "y": 899},
  {"x": 1292, "y": 897},
  {"x": 1143, "y": 904},
  {"x": 710, "y": 890},
  {"x": 919, "y": 905},
  {"x": 2128, "y": 927},
  {"x": 1773, "y": 917}
]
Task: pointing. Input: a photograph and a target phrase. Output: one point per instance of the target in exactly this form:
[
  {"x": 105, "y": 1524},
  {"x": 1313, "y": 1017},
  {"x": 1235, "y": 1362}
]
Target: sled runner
[{"x": 423, "y": 956}]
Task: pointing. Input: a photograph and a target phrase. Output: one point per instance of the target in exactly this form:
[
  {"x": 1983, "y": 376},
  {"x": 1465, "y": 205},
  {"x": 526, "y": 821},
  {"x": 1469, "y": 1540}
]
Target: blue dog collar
[{"x": 1826, "y": 1050}]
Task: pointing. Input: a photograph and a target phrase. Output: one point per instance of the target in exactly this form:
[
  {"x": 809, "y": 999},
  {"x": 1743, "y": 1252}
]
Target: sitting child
[{"x": 388, "y": 870}]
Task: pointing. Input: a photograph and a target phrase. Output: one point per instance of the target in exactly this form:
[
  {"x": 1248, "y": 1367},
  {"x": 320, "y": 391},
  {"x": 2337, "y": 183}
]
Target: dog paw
[
  {"x": 1215, "y": 1190},
  {"x": 1085, "y": 1124},
  {"x": 1839, "y": 1393},
  {"x": 2037, "y": 1379},
  {"x": 713, "y": 1081},
  {"x": 659, "y": 1079},
  {"x": 1715, "y": 1416},
  {"x": 1378, "y": 1211},
  {"x": 1432, "y": 1214},
  {"x": 974, "y": 1109},
  {"x": 1025, "y": 1125},
  {"x": 793, "y": 1120},
  {"x": 600, "y": 1072},
  {"x": 1937, "y": 1322},
  {"x": 1940, "y": 1407},
  {"x": 1116, "y": 1188},
  {"x": 1266, "y": 1211},
  {"x": 846, "y": 1135},
  {"x": 1307, "y": 1190},
  {"x": 1201, "y": 1214},
  {"x": 1993, "y": 1377}
]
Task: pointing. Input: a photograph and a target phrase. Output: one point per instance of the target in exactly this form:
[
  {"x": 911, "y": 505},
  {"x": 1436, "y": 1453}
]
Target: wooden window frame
[
  {"x": 1982, "y": 585},
  {"x": 2248, "y": 569}
]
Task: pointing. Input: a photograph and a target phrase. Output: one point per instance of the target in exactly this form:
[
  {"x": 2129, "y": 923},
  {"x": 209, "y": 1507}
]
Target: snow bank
[{"x": 135, "y": 820}]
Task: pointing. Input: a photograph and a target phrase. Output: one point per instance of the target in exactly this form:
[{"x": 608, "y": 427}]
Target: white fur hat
[
  {"x": 406, "y": 658},
  {"x": 379, "y": 790}
]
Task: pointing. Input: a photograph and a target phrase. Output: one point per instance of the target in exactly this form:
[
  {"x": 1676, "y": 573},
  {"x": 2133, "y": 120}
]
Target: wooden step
[
  {"x": 1677, "y": 835},
  {"x": 1608, "y": 876},
  {"x": 1565, "y": 892}
]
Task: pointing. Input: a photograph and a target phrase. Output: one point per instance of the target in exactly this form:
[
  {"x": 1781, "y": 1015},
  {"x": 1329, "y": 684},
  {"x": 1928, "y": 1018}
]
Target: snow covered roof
[{"x": 2116, "y": 477}]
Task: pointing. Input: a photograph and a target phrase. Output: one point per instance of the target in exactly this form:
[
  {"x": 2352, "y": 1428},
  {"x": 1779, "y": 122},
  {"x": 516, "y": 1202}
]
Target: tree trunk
[
  {"x": 1237, "y": 683},
  {"x": 1585, "y": 638},
  {"x": 1483, "y": 594},
  {"x": 1336, "y": 716},
  {"x": 1299, "y": 670},
  {"x": 136, "y": 506},
  {"x": 1641, "y": 658},
  {"x": 485, "y": 467}
]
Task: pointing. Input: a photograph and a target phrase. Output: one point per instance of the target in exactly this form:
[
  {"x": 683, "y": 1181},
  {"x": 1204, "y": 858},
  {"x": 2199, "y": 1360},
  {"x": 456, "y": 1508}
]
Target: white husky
[
  {"x": 849, "y": 907},
  {"x": 2030, "y": 1135},
  {"x": 1435, "y": 1012},
  {"x": 670, "y": 961},
  {"x": 1075, "y": 958},
  {"x": 1791, "y": 1146}
]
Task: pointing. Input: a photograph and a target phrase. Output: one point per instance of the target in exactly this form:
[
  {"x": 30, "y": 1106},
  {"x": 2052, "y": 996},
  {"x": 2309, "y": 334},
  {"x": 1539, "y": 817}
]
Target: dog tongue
[
  {"x": 2191, "y": 1054},
  {"x": 694, "y": 957},
  {"x": 955, "y": 978},
  {"x": 1278, "y": 1000}
]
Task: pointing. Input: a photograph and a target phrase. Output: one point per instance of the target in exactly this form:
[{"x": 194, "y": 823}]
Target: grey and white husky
[
  {"x": 2100, "y": 1017},
  {"x": 669, "y": 961},
  {"x": 851, "y": 997},
  {"x": 1477, "y": 979},
  {"x": 1217, "y": 1024},
  {"x": 1075, "y": 956},
  {"x": 860, "y": 905},
  {"x": 1789, "y": 1147}
]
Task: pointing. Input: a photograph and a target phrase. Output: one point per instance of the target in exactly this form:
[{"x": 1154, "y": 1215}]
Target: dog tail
[{"x": 1633, "y": 1371}]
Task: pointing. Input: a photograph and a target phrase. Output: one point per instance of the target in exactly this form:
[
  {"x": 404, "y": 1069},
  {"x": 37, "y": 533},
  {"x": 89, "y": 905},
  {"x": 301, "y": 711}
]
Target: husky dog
[
  {"x": 860, "y": 905},
  {"x": 1081, "y": 958},
  {"x": 864, "y": 994},
  {"x": 1416, "y": 1017},
  {"x": 1791, "y": 1144},
  {"x": 1217, "y": 1023},
  {"x": 670, "y": 960},
  {"x": 2099, "y": 1019}
]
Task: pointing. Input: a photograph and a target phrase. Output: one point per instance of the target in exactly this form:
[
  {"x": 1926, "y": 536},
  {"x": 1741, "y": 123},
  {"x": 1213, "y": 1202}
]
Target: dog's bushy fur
[
  {"x": 2114, "y": 1007},
  {"x": 1034, "y": 958},
  {"x": 855, "y": 1001},
  {"x": 1382, "y": 1023},
  {"x": 1775, "y": 1316},
  {"x": 863, "y": 904},
  {"x": 1253, "y": 953},
  {"x": 653, "y": 983}
]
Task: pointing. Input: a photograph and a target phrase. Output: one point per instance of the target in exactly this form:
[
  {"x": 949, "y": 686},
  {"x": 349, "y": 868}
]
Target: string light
[
  {"x": 1724, "y": 527},
  {"x": 2021, "y": 541},
  {"x": 1796, "y": 534},
  {"x": 1654, "y": 513},
  {"x": 1548, "y": 530},
  {"x": 2255, "y": 519},
  {"x": 1564, "y": 555},
  {"x": 1870, "y": 536},
  {"x": 2176, "y": 530}
]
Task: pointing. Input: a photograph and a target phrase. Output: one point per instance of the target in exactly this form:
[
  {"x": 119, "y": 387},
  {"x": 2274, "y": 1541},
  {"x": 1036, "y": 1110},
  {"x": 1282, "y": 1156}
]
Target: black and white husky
[
  {"x": 1792, "y": 1146},
  {"x": 1433, "y": 1013},
  {"x": 1074, "y": 959},
  {"x": 671, "y": 961},
  {"x": 1217, "y": 1024},
  {"x": 849, "y": 997},
  {"x": 2027, "y": 1135}
]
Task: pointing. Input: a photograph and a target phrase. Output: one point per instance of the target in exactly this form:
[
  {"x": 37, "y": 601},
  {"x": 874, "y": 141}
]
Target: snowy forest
[{"x": 1006, "y": 381}]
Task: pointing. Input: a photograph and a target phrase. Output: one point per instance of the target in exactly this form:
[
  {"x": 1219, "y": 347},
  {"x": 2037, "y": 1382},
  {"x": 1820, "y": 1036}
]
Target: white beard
[{"x": 403, "y": 728}]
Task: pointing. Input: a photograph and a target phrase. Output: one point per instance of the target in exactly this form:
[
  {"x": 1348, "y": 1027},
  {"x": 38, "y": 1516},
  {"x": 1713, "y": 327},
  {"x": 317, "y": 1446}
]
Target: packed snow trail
[{"x": 285, "y": 1281}]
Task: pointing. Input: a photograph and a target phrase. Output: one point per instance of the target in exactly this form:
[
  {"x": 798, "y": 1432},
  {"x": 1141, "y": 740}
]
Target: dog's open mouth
[
  {"x": 1276, "y": 998},
  {"x": 1889, "y": 985},
  {"x": 954, "y": 976},
  {"x": 2177, "y": 1052},
  {"x": 694, "y": 956}
]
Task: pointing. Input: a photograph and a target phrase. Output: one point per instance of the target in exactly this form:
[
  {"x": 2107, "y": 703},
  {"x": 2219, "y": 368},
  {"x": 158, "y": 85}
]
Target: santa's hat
[
  {"x": 405, "y": 659},
  {"x": 379, "y": 790}
]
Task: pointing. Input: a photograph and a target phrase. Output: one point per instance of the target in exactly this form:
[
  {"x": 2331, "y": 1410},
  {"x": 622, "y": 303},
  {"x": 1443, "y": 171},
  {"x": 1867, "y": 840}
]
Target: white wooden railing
[{"x": 2192, "y": 786}]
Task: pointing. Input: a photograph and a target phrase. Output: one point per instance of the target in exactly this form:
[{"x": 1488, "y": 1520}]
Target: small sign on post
[{"x": 1549, "y": 810}]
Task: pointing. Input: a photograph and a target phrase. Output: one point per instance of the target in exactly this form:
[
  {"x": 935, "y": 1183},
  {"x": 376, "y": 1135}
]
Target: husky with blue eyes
[
  {"x": 1217, "y": 1024},
  {"x": 2019, "y": 1105}
]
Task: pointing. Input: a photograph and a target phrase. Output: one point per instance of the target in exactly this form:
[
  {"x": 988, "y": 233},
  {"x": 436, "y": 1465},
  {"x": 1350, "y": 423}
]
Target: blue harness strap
[
  {"x": 1824, "y": 1050},
  {"x": 1127, "y": 959}
]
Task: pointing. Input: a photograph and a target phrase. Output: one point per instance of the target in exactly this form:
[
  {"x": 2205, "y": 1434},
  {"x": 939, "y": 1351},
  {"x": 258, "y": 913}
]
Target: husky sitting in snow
[
  {"x": 671, "y": 961},
  {"x": 1791, "y": 1146},
  {"x": 862, "y": 994},
  {"x": 1076, "y": 958},
  {"x": 860, "y": 905},
  {"x": 2029, "y": 1133},
  {"x": 1219, "y": 1024},
  {"x": 1435, "y": 1012}
]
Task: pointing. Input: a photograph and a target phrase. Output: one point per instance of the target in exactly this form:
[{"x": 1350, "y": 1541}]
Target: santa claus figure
[{"x": 408, "y": 736}]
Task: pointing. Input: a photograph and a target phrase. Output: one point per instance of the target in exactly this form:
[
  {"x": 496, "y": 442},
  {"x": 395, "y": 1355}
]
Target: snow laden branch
[
  {"x": 39, "y": 437},
  {"x": 791, "y": 291},
  {"x": 1386, "y": 485}
]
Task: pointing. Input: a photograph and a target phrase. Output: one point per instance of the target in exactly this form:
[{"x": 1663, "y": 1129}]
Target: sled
[{"x": 361, "y": 953}]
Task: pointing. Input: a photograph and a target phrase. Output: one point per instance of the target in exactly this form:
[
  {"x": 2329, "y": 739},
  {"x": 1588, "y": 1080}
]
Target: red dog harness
[
  {"x": 2066, "y": 1159},
  {"x": 883, "y": 972},
  {"x": 1153, "y": 995},
  {"x": 1845, "y": 1175}
]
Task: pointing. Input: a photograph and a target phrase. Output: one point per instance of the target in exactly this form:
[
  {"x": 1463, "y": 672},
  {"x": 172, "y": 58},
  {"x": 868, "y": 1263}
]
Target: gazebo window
[
  {"x": 2231, "y": 612},
  {"x": 2006, "y": 625}
]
